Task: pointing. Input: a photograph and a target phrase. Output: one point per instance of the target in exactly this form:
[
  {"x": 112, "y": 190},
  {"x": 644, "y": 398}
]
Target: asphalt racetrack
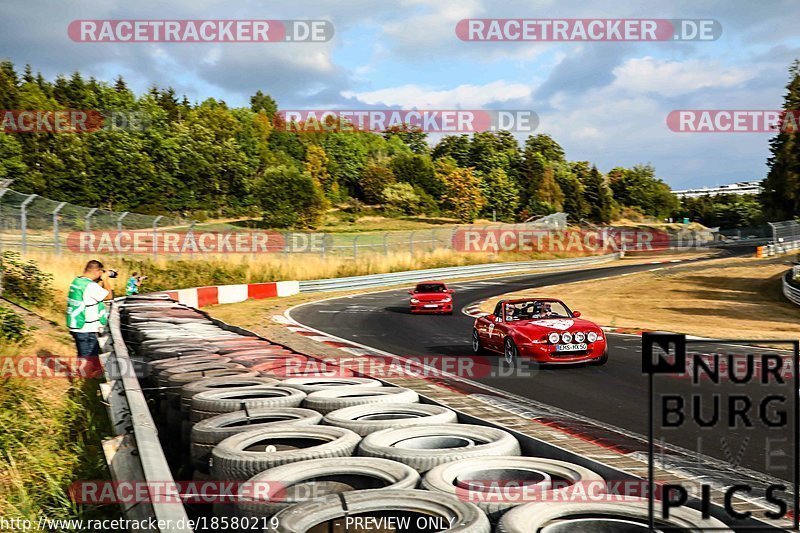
[{"x": 614, "y": 394}]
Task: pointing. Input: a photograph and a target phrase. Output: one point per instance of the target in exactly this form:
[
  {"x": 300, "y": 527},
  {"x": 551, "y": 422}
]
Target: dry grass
[
  {"x": 726, "y": 298},
  {"x": 171, "y": 273},
  {"x": 50, "y": 433}
]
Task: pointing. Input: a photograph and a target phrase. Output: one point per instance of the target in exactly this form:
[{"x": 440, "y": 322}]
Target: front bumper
[
  {"x": 440, "y": 307},
  {"x": 546, "y": 353}
]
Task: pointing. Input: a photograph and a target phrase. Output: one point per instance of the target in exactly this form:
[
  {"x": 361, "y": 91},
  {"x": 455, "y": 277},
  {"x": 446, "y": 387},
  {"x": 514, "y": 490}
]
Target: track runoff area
[{"x": 717, "y": 419}]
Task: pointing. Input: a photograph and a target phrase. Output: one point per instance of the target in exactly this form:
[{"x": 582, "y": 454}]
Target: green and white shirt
[{"x": 86, "y": 311}]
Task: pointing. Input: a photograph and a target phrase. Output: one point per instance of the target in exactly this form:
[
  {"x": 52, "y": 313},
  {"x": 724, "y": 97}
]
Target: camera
[{"x": 112, "y": 273}]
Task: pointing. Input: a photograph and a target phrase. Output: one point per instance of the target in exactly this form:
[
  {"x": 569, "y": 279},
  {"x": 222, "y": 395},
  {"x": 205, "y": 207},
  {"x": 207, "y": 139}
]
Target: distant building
[{"x": 743, "y": 187}]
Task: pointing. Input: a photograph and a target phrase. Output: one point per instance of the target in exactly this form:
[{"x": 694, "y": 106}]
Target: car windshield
[
  {"x": 430, "y": 287},
  {"x": 536, "y": 309}
]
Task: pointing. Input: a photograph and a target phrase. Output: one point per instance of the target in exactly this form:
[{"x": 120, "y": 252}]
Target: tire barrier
[
  {"x": 309, "y": 385},
  {"x": 609, "y": 516},
  {"x": 477, "y": 479},
  {"x": 244, "y": 455},
  {"x": 424, "y": 447},
  {"x": 294, "y": 483},
  {"x": 209, "y": 432},
  {"x": 189, "y": 390},
  {"x": 211, "y": 403},
  {"x": 425, "y": 511},
  {"x": 329, "y": 400},
  {"x": 369, "y": 418}
]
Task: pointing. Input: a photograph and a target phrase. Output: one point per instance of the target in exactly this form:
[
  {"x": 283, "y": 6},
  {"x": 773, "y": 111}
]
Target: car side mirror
[
  {"x": 450, "y": 291},
  {"x": 576, "y": 314},
  {"x": 410, "y": 292}
]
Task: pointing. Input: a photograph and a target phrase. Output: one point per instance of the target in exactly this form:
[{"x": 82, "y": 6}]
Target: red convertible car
[
  {"x": 431, "y": 297},
  {"x": 541, "y": 329}
]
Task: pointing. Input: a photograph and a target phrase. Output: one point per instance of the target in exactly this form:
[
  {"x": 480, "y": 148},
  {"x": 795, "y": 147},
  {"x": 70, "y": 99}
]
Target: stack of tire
[{"x": 312, "y": 445}]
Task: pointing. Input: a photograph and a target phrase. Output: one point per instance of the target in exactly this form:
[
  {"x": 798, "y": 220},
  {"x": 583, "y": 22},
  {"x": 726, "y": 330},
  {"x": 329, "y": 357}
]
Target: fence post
[
  {"x": 411, "y": 242},
  {"x": 386, "y": 243},
  {"x": 23, "y": 221},
  {"x": 119, "y": 220},
  {"x": 87, "y": 220},
  {"x": 355, "y": 247},
  {"x": 324, "y": 242},
  {"x": 155, "y": 236},
  {"x": 56, "y": 241},
  {"x": 3, "y": 191},
  {"x": 433, "y": 239}
]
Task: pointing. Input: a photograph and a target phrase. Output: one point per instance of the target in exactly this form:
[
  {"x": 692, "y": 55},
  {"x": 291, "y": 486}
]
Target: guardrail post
[
  {"x": 56, "y": 241},
  {"x": 23, "y": 220},
  {"x": 87, "y": 220}
]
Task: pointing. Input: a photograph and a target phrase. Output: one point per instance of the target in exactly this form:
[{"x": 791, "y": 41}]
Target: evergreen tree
[
  {"x": 781, "y": 188},
  {"x": 598, "y": 196}
]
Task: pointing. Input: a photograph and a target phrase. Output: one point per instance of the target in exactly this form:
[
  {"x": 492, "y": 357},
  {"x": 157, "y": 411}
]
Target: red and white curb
[{"x": 228, "y": 294}]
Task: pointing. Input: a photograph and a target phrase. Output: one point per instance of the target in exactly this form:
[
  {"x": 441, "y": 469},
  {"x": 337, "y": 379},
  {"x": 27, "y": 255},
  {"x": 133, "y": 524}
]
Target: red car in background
[
  {"x": 431, "y": 297},
  {"x": 541, "y": 329}
]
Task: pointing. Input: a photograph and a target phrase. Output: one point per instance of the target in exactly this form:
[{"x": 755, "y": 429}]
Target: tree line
[{"x": 209, "y": 159}]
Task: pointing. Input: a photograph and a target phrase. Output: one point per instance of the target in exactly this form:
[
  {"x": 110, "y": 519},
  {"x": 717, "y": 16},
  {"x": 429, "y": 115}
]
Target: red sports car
[
  {"x": 541, "y": 329},
  {"x": 431, "y": 297}
]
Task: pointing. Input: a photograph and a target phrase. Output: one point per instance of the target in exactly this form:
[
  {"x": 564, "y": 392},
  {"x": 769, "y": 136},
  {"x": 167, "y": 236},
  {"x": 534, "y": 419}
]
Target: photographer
[
  {"x": 134, "y": 282},
  {"x": 86, "y": 311}
]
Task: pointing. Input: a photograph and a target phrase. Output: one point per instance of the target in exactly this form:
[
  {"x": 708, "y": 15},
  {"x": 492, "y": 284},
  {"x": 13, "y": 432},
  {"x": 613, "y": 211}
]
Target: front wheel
[
  {"x": 603, "y": 359},
  {"x": 476, "y": 342},
  {"x": 509, "y": 351}
]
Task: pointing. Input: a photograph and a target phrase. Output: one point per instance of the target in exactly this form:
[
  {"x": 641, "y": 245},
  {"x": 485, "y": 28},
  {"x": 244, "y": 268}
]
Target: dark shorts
[{"x": 87, "y": 344}]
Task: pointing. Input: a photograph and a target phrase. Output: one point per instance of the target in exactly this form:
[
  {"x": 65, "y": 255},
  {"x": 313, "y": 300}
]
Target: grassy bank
[{"x": 51, "y": 429}]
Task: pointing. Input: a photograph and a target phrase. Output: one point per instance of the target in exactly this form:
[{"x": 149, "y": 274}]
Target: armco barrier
[
  {"x": 135, "y": 454},
  {"x": 378, "y": 280},
  {"x": 790, "y": 290}
]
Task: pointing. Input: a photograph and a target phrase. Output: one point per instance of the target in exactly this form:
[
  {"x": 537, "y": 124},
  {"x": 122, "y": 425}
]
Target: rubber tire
[
  {"x": 209, "y": 432},
  {"x": 495, "y": 442},
  {"x": 230, "y": 461},
  {"x": 304, "y": 516},
  {"x": 395, "y": 475},
  {"x": 426, "y": 414},
  {"x": 210, "y": 403},
  {"x": 309, "y": 385},
  {"x": 508, "y": 344},
  {"x": 189, "y": 390},
  {"x": 329, "y": 400},
  {"x": 477, "y": 347},
  {"x": 533, "y": 516},
  {"x": 443, "y": 478}
]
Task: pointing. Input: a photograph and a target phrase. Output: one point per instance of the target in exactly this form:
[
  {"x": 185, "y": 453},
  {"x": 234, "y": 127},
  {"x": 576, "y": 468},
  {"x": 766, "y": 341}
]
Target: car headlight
[
  {"x": 592, "y": 336},
  {"x": 414, "y": 301},
  {"x": 553, "y": 337},
  {"x": 448, "y": 299},
  {"x": 580, "y": 337},
  {"x": 566, "y": 337}
]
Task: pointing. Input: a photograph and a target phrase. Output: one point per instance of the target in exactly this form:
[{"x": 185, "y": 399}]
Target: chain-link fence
[
  {"x": 31, "y": 223},
  {"x": 786, "y": 231}
]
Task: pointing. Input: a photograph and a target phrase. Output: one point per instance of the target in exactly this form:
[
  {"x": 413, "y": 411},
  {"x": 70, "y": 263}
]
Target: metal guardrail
[
  {"x": 791, "y": 292},
  {"x": 393, "y": 278},
  {"x": 135, "y": 454}
]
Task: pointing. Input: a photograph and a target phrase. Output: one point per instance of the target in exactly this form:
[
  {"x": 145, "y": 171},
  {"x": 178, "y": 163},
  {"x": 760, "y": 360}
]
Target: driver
[{"x": 547, "y": 310}]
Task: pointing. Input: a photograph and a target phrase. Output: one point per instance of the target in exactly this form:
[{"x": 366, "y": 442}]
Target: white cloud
[
  {"x": 673, "y": 78},
  {"x": 462, "y": 96}
]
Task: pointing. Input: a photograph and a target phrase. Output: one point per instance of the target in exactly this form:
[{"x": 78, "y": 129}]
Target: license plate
[
  {"x": 431, "y": 305},
  {"x": 570, "y": 347}
]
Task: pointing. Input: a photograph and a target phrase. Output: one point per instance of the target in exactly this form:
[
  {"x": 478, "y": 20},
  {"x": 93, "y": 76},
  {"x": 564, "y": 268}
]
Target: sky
[{"x": 604, "y": 102}]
